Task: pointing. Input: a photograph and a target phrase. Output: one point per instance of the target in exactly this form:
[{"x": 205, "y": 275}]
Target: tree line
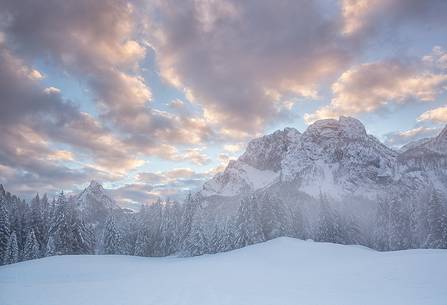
[{"x": 43, "y": 227}]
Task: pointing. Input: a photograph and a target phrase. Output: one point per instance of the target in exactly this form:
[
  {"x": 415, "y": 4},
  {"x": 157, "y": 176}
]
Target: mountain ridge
[{"x": 338, "y": 153}]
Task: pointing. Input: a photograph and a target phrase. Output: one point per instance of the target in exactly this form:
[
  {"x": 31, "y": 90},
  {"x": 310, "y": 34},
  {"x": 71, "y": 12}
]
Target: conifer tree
[
  {"x": 31, "y": 248},
  {"x": 437, "y": 223},
  {"x": 12, "y": 250},
  {"x": 4, "y": 230},
  {"x": 400, "y": 232},
  {"x": 111, "y": 240},
  {"x": 196, "y": 243},
  {"x": 328, "y": 229},
  {"x": 51, "y": 247},
  {"x": 249, "y": 229},
  {"x": 36, "y": 219}
]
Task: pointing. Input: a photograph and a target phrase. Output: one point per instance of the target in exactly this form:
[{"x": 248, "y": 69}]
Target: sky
[{"x": 151, "y": 98}]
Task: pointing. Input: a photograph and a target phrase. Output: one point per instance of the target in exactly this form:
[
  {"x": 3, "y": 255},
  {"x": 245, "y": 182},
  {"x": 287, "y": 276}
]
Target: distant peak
[
  {"x": 94, "y": 185},
  {"x": 439, "y": 143},
  {"x": 443, "y": 133}
]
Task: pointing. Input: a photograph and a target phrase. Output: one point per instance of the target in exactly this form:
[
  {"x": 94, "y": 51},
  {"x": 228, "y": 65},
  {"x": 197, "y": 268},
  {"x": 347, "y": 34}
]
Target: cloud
[
  {"x": 371, "y": 86},
  {"x": 233, "y": 148},
  {"x": 170, "y": 176},
  {"x": 229, "y": 55},
  {"x": 366, "y": 16},
  {"x": 437, "y": 115},
  {"x": 149, "y": 186},
  {"x": 100, "y": 44},
  {"x": 97, "y": 44},
  {"x": 437, "y": 59},
  {"x": 34, "y": 120},
  {"x": 133, "y": 195}
]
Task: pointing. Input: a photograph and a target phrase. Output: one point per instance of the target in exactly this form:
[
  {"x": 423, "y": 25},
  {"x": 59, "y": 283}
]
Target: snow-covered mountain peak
[
  {"x": 439, "y": 143},
  {"x": 95, "y": 186},
  {"x": 344, "y": 127},
  {"x": 337, "y": 157},
  {"x": 413, "y": 144},
  {"x": 266, "y": 153},
  {"x": 94, "y": 198},
  {"x": 237, "y": 178},
  {"x": 336, "y": 154}
]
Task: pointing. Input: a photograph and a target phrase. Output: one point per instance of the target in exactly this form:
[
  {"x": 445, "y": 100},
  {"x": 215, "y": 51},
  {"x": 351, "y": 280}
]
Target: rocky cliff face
[
  {"x": 336, "y": 157},
  {"x": 95, "y": 203}
]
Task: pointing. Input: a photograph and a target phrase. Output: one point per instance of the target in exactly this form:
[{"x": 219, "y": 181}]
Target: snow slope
[{"x": 282, "y": 271}]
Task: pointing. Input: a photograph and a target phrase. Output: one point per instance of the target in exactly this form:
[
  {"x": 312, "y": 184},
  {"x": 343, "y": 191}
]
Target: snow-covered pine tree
[
  {"x": 169, "y": 228},
  {"x": 273, "y": 216},
  {"x": 189, "y": 209},
  {"x": 248, "y": 223},
  {"x": 36, "y": 220},
  {"x": 128, "y": 226},
  {"x": 51, "y": 247},
  {"x": 196, "y": 243},
  {"x": 153, "y": 224},
  {"x": 60, "y": 230},
  {"x": 298, "y": 224},
  {"x": 12, "y": 250},
  {"x": 381, "y": 233},
  {"x": 328, "y": 229},
  {"x": 18, "y": 218},
  {"x": 142, "y": 243},
  {"x": 437, "y": 223},
  {"x": 31, "y": 249},
  {"x": 46, "y": 220},
  {"x": 227, "y": 237},
  {"x": 215, "y": 244},
  {"x": 84, "y": 236},
  {"x": 68, "y": 230},
  {"x": 4, "y": 229},
  {"x": 349, "y": 230},
  {"x": 400, "y": 233},
  {"x": 111, "y": 240}
]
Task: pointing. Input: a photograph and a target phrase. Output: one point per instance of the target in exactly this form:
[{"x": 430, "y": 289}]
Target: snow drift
[{"x": 281, "y": 271}]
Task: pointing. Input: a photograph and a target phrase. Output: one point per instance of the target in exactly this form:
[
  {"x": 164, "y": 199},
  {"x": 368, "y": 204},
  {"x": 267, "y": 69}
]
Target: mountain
[
  {"x": 258, "y": 167},
  {"x": 95, "y": 203},
  {"x": 283, "y": 271},
  {"x": 333, "y": 177},
  {"x": 426, "y": 162},
  {"x": 336, "y": 157},
  {"x": 332, "y": 156},
  {"x": 413, "y": 144},
  {"x": 332, "y": 183}
]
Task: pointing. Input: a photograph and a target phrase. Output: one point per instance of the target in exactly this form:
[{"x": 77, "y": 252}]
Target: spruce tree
[
  {"x": 37, "y": 221},
  {"x": 111, "y": 240},
  {"x": 249, "y": 229},
  {"x": 328, "y": 229},
  {"x": 196, "y": 243},
  {"x": 4, "y": 230},
  {"x": 68, "y": 230},
  {"x": 273, "y": 217},
  {"x": 142, "y": 243},
  {"x": 437, "y": 223},
  {"x": 31, "y": 248},
  {"x": 400, "y": 232},
  {"x": 51, "y": 247},
  {"x": 12, "y": 250}
]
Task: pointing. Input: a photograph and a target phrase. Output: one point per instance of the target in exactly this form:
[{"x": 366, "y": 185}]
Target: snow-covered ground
[{"x": 282, "y": 271}]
